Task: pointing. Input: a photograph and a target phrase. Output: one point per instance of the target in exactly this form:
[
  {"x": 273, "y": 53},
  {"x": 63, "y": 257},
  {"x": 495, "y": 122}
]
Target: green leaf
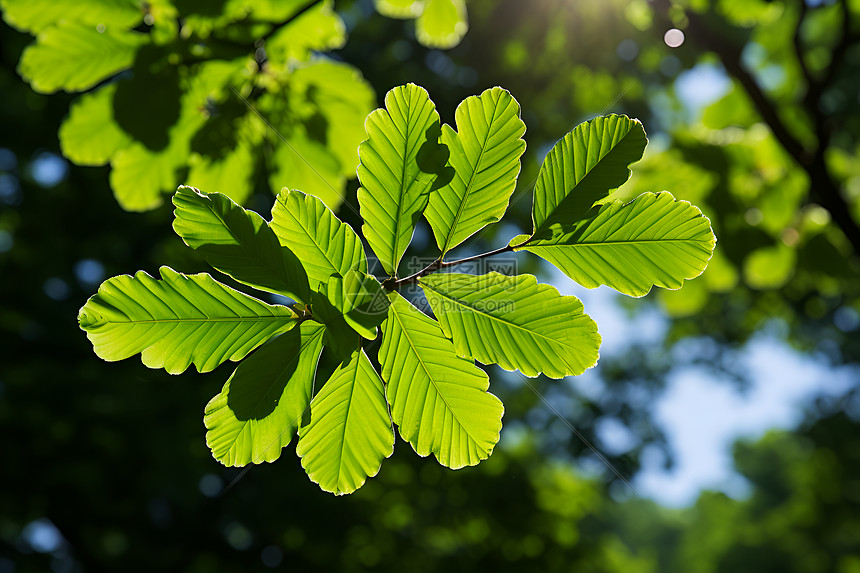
[
  {"x": 140, "y": 176},
  {"x": 400, "y": 161},
  {"x": 439, "y": 400},
  {"x": 317, "y": 127},
  {"x": 238, "y": 243},
  {"x": 302, "y": 163},
  {"x": 37, "y": 15},
  {"x": 340, "y": 340},
  {"x": 324, "y": 244},
  {"x": 361, "y": 300},
  {"x": 350, "y": 430},
  {"x": 231, "y": 175},
  {"x": 769, "y": 267},
  {"x": 485, "y": 154},
  {"x": 265, "y": 400},
  {"x": 337, "y": 100},
  {"x": 402, "y": 9},
  {"x": 74, "y": 57},
  {"x": 177, "y": 321},
  {"x": 514, "y": 322},
  {"x": 319, "y": 29},
  {"x": 583, "y": 167},
  {"x": 90, "y": 135},
  {"x": 442, "y": 24},
  {"x": 653, "y": 240}
]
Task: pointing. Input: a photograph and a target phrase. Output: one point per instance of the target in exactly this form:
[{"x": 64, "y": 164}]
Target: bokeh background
[{"x": 720, "y": 430}]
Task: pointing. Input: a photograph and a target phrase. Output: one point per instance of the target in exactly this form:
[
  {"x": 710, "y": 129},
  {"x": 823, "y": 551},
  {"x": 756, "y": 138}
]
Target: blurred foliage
[
  {"x": 199, "y": 93},
  {"x": 438, "y": 23},
  {"x": 800, "y": 514},
  {"x": 205, "y": 93},
  {"x": 110, "y": 454}
]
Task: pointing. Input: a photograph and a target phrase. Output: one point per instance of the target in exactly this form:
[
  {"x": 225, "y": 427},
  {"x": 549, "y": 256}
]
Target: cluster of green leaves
[
  {"x": 204, "y": 93},
  {"x": 438, "y": 23},
  {"x": 427, "y": 384},
  {"x": 210, "y": 93}
]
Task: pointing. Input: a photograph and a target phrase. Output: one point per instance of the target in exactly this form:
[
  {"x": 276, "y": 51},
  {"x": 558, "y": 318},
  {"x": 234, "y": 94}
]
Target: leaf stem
[
  {"x": 440, "y": 264},
  {"x": 505, "y": 249}
]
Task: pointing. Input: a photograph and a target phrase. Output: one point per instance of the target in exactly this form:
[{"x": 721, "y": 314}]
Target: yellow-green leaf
[
  {"x": 260, "y": 407},
  {"x": 439, "y": 400},
  {"x": 514, "y": 322},
  {"x": 349, "y": 433},
  {"x": 653, "y": 240},
  {"x": 178, "y": 321}
]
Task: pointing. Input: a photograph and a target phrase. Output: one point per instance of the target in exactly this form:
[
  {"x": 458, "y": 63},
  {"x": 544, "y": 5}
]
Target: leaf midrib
[
  {"x": 346, "y": 421},
  {"x": 496, "y": 318},
  {"x": 404, "y": 188},
  {"x": 614, "y": 243},
  {"x": 205, "y": 319},
  {"x": 584, "y": 179},
  {"x": 429, "y": 377},
  {"x": 255, "y": 253},
  {"x": 462, "y": 206}
]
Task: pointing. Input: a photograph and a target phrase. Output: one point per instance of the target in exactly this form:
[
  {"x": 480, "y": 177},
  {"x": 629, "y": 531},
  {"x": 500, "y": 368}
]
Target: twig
[{"x": 440, "y": 264}]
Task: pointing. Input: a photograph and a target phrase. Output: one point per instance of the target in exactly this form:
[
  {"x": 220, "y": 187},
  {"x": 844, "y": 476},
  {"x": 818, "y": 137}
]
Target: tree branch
[
  {"x": 730, "y": 56},
  {"x": 798, "y": 46},
  {"x": 837, "y": 57},
  {"x": 823, "y": 188}
]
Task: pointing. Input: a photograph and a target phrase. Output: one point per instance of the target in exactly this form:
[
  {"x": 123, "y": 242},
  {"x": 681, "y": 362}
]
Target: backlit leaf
[
  {"x": 350, "y": 431},
  {"x": 583, "y": 167},
  {"x": 400, "y": 8},
  {"x": 485, "y": 154},
  {"x": 319, "y": 28},
  {"x": 361, "y": 300},
  {"x": 442, "y": 24},
  {"x": 260, "y": 407},
  {"x": 653, "y": 240},
  {"x": 514, "y": 322},
  {"x": 302, "y": 163},
  {"x": 89, "y": 135},
  {"x": 178, "y": 321},
  {"x": 397, "y": 171},
  {"x": 231, "y": 175},
  {"x": 74, "y": 57},
  {"x": 338, "y": 100},
  {"x": 139, "y": 177},
  {"x": 439, "y": 400},
  {"x": 324, "y": 244},
  {"x": 239, "y": 243},
  {"x": 36, "y": 15}
]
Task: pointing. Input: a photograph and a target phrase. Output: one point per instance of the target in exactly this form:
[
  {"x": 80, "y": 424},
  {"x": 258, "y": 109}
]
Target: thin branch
[
  {"x": 837, "y": 57},
  {"x": 499, "y": 251},
  {"x": 396, "y": 284},
  {"x": 798, "y": 46},
  {"x": 439, "y": 264}
]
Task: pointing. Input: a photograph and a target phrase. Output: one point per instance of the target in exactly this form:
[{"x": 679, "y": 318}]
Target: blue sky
[{"x": 702, "y": 414}]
